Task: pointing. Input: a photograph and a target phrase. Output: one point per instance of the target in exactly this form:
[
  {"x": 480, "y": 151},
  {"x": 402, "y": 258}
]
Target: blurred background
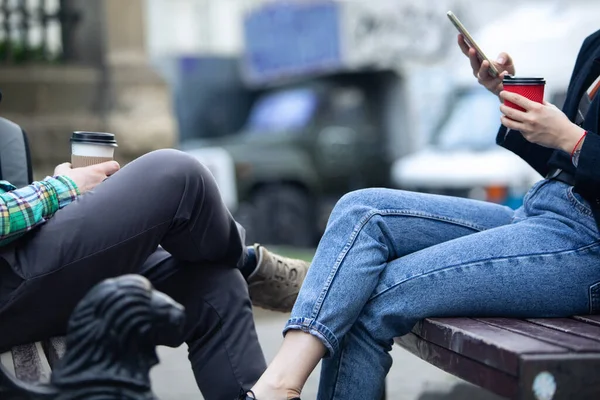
[{"x": 291, "y": 104}]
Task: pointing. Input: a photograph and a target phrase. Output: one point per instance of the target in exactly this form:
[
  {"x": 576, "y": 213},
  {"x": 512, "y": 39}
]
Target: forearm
[
  {"x": 572, "y": 139},
  {"x": 23, "y": 209}
]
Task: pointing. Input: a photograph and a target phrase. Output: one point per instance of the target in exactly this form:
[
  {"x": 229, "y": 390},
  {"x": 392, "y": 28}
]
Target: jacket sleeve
[
  {"x": 587, "y": 175},
  {"x": 537, "y": 156},
  {"x": 23, "y": 209}
]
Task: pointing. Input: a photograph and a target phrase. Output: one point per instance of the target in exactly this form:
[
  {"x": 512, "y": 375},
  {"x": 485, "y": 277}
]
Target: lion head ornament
[{"x": 111, "y": 343}]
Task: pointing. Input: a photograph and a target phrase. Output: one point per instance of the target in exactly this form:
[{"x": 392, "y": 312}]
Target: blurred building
[
  {"x": 259, "y": 86},
  {"x": 70, "y": 65},
  {"x": 197, "y": 45}
]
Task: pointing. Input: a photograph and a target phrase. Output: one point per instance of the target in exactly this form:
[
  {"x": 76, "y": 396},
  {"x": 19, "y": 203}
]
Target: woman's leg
[
  {"x": 367, "y": 229},
  {"x": 543, "y": 265}
]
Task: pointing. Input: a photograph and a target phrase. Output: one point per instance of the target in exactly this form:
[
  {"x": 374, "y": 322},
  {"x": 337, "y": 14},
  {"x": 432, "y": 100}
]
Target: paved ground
[{"x": 409, "y": 379}]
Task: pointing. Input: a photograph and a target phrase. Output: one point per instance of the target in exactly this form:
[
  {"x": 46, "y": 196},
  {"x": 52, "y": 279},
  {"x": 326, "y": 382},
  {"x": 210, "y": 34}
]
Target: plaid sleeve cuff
[
  {"x": 65, "y": 189},
  {"x": 7, "y": 186}
]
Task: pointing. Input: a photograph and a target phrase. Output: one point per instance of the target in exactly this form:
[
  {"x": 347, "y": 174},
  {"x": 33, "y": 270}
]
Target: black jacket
[{"x": 542, "y": 159}]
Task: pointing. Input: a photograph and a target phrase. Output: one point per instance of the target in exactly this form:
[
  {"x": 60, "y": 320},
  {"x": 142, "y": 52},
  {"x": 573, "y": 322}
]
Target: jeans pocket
[
  {"x": 595, "y": 298},
  {"x": 578, "y": 201}
]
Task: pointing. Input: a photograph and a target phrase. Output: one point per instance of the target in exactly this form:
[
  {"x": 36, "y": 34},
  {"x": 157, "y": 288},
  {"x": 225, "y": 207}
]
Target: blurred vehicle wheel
[{"x": 279, "y": 215}]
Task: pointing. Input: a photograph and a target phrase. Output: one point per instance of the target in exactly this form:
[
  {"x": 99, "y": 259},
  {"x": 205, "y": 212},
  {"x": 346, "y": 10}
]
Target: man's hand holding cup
[
  {"x": 92, "y": 161},
  {"x": 87, "y": 178}
]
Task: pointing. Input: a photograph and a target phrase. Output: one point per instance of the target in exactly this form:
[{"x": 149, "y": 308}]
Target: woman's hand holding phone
[{"x": 503, "y": 64}]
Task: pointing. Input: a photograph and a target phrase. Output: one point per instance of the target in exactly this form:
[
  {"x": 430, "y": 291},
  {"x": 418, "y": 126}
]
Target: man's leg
[
  {"x": 164, "y": 197},
  {"x": 223, "y": 345}
]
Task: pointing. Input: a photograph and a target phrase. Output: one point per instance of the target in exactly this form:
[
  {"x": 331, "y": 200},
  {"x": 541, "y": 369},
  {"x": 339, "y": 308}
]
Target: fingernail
[{"x": 500, "y": 60}]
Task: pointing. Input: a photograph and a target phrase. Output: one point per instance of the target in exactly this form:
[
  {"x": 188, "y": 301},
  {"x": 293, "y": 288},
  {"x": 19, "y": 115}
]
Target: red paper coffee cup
[{"x": 532, "y": 88}]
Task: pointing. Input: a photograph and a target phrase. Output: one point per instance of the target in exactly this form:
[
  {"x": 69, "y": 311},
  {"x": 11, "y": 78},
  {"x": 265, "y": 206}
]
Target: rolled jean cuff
[{"x": 321, "y": 332}]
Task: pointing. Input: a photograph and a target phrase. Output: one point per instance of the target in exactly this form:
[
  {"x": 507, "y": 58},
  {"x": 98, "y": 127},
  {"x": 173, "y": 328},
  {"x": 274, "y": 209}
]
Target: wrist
[
  {"x": 572, "y": 139},
  {"x": 577, "y": 150}
]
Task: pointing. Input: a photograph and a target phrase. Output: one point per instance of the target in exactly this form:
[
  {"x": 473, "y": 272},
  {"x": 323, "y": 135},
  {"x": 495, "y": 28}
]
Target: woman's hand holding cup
[
  {"x": 539, "y": 123},
  {"x": 504, "y": 64}
]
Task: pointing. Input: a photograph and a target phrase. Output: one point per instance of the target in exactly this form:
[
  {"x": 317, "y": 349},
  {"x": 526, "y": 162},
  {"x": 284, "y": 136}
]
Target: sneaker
[{"x": 275, "y": 283}]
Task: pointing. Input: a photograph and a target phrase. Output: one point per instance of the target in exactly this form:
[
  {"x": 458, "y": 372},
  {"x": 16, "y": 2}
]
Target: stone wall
[
  {"x": 50, "y": 102},
  {"x": 107, "y": 86}
]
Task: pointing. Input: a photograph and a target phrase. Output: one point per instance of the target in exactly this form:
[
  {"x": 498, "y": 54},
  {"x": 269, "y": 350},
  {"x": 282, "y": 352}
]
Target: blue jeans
[{"x": 389, "y": 258}]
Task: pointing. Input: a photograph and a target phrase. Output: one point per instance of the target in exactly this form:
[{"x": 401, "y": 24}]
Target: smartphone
[{"x": 469, "y": 40}]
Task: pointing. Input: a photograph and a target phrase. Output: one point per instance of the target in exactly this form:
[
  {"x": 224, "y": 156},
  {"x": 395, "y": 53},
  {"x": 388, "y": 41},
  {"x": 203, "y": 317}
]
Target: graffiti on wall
[{"x": 391, "y": 32}]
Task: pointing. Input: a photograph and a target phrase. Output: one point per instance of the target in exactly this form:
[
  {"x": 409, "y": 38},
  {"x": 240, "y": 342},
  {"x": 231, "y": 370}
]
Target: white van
[{"x": 461, "y": 157}]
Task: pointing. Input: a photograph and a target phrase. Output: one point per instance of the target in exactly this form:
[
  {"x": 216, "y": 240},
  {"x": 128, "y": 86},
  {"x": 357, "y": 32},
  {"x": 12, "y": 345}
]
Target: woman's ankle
[{"x": 274, "y": 389}]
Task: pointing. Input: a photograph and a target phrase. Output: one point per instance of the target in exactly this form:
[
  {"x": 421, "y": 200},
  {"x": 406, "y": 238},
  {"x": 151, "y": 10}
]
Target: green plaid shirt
[{"x": 23, "y": 209}]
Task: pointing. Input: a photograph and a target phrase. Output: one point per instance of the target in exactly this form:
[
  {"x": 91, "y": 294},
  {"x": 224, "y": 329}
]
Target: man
[{"x": 160, "y": 216}]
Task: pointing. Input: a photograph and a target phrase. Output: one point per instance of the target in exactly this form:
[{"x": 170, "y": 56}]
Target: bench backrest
[{"x": 15, "y": 160}]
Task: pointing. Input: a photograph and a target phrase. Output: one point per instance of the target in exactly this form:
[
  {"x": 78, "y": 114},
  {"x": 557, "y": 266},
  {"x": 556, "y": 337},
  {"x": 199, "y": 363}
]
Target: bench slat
[
  {"x": 496, "y": 347},
  {"x": 575, "y": 375},
  {"x": 461, "y": 366},
  {"x": 30, "y": 363},
  {"x": 570, "y": 325},
  {"x": 55, "y": 349},
  {"x": 6, "y": 360},
  {"x": 590, "y": 319},
  {"x": 563, "y": 339}
]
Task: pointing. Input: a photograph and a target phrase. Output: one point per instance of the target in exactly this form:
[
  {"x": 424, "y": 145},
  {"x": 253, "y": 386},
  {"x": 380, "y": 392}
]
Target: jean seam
[
  {"x": 581, "y": 207},
  {"x": 360, "y": 226},
  {"x": 316, "y": 329},
  {"x": 339, "y": 367},
  {"x": 594, "y": 293},
  {"x": 411, "y": 213},
  {"x": 487, "y": 260}
]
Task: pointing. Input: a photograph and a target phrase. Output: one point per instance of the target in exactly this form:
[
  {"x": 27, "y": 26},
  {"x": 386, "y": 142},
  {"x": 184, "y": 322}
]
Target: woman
[{"x": 390, "y": 258}]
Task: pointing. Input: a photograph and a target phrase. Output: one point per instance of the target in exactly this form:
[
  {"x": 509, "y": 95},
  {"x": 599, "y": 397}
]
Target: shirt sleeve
[{"x": 23, "y": 209}]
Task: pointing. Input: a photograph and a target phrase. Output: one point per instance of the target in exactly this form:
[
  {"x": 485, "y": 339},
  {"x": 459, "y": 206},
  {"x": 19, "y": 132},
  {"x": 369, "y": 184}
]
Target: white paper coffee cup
[{"x": 89, "y": 148}]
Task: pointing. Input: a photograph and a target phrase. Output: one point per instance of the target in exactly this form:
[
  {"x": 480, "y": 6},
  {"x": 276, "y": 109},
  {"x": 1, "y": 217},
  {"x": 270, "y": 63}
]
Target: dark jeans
[{"x": 161, "y": 216}]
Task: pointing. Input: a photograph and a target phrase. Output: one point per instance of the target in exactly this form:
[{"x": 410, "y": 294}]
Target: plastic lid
[
  {"x": 508, "y": 79},
  {"x": 94, "y": 138}
]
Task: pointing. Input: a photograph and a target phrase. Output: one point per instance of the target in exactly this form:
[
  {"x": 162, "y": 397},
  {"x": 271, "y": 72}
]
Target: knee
[
  {"x": 356, "y": 203},
  {"x": 175, "y": 162},
  {"x": 174, "y": 169}
]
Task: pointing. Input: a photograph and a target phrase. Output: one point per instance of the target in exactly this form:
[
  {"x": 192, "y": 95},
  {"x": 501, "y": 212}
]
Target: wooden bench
[
  {"x": 538, "y": 359},
  {"x": 33, "y": 362}
]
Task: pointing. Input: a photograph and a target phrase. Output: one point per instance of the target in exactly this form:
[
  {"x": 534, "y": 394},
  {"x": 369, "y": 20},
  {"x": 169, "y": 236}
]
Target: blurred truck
[{"x": 330, "y": 110}]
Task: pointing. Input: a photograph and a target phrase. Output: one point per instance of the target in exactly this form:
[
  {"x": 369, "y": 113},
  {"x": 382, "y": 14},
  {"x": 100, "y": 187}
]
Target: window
[
  {"x": 472, "y": 124},
  {"x": 288, "y": 110}
]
